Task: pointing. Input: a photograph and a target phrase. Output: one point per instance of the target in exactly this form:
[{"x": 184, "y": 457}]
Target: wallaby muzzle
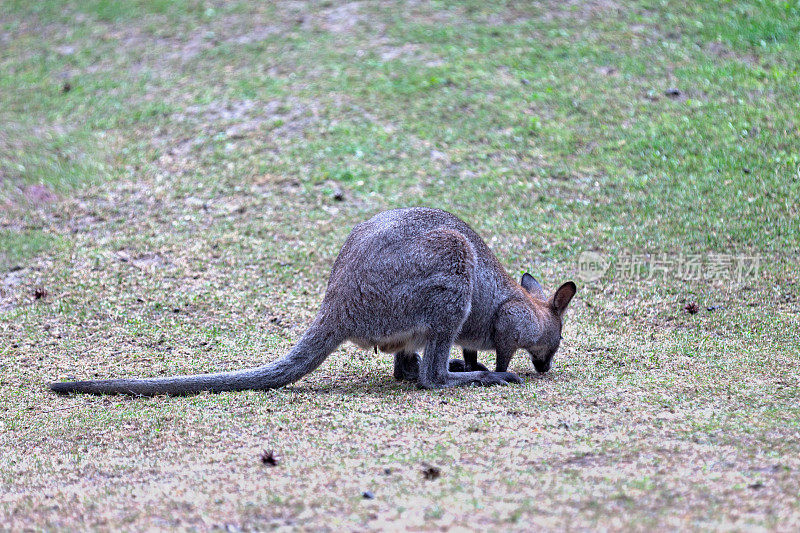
[{"x": 541, "y": 366}]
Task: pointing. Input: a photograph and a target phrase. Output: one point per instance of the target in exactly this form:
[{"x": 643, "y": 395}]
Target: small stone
[
  {"x": 65, "y": 50},
  {"x": 436, "y": 155},
  {"x": 368, "y": 495},
  {"x": 673, "y": 92}
]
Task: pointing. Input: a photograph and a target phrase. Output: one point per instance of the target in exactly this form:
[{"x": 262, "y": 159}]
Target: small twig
[{"x": 59, "y": 409}]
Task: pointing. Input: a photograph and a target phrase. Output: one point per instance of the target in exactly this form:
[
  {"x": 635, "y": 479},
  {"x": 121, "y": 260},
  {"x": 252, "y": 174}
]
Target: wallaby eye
[{"x": 561, "y": 337}]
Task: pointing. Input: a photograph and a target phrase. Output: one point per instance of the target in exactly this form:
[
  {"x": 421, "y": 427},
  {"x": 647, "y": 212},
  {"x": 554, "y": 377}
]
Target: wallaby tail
[{"x": 312, "y": 349}]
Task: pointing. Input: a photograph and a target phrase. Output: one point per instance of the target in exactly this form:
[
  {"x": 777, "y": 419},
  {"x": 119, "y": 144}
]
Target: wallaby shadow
[
  {"x": 372, "y": 384},
  {"x": 380, "y": 384},
  {"x": 536, "y": 376}
]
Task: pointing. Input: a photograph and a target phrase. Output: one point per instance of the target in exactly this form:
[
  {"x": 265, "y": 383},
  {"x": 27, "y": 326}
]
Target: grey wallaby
[{"x": 404, "y": 280}]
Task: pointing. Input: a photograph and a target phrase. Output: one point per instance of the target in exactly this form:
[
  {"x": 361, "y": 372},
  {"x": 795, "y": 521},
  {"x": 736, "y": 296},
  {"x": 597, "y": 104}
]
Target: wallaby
[{"x": 404, "y": 280}]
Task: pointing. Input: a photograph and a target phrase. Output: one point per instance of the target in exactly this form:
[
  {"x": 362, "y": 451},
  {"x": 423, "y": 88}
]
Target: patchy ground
[{"x": 176, "y": 179}]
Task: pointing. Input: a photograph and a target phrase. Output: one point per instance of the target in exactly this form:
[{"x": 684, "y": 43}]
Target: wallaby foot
[
  {"x": 469, "y": 364},
  {"x": 457, "y": 365},
  {"x": 481, "y": 378},
  {"x": 406, "y": 366}
]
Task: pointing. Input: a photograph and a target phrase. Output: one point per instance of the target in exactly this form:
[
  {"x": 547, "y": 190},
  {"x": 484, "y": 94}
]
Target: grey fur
[{"x": 405, "y": 280}]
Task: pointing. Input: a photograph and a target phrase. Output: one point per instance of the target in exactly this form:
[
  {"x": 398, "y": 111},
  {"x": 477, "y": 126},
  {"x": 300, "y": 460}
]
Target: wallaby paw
[
  {"x": 457, "y": 365},
  {"x": 510, "y": 377}
]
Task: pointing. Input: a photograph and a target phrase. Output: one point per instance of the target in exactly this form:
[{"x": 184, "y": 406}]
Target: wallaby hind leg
[
  {"x": 469, "y": 364},
  {"x": 434, "y": 373},
  {"x": 444, "y": 297},
  {"x": 406, "y": 366}
]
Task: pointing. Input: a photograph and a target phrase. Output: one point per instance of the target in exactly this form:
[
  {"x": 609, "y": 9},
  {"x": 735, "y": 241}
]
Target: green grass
[
  {"x": 179, "y": 203},
  {"x": 18, "y": 246}
]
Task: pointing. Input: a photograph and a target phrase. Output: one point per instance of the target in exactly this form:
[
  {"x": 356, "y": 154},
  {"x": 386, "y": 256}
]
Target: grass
[{"x": 176, "y": 178}]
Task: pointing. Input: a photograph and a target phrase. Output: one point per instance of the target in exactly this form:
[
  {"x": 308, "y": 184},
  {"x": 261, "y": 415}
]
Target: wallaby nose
[{"x": 541, "y": 366}]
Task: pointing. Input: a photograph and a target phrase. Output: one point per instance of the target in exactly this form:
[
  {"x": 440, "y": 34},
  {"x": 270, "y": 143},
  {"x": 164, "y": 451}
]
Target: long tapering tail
[{"x": 310, "y": 351}]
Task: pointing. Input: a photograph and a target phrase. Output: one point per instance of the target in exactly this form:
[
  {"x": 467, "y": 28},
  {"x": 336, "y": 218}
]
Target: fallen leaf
[
  {"x": 431, "y": 472},
  {"x": 268, "y": 458}
]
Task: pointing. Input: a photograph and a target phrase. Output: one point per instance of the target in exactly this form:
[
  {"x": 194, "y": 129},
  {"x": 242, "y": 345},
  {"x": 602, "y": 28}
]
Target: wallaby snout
[{"x": 541, "y": 366}]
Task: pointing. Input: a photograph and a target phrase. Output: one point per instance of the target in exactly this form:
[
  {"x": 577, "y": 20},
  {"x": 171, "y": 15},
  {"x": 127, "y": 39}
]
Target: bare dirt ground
[{"x": 176, "y": 180}]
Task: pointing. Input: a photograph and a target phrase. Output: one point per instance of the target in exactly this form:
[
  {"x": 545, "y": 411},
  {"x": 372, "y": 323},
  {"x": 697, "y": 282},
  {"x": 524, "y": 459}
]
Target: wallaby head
[{"x": 542, "y": 339}]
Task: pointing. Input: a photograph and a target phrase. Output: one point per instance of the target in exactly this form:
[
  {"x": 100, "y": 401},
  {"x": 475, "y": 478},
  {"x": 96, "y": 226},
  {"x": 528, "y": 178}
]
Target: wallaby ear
[
  {"x": 562, "y": 297},
  {"x": 530, "y": 284}
]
